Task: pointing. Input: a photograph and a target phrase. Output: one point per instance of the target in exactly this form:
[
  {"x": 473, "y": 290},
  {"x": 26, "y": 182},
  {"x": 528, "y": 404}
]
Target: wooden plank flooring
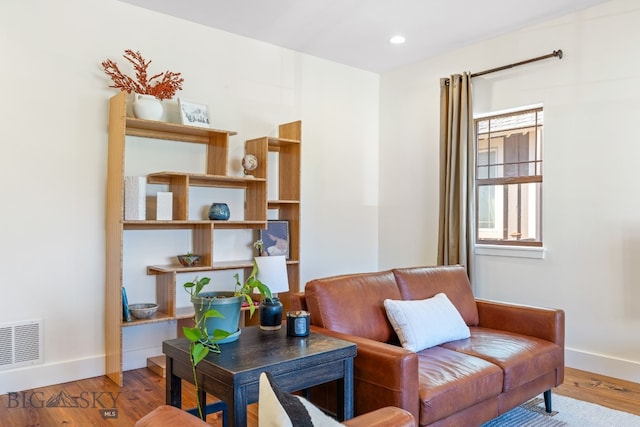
[
  {"x": 605, "y": 391},
  {"x": 143, "y": 391}
]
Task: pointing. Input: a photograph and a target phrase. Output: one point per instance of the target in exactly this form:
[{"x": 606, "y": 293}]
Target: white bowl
[{"x": 143, "y": 311}]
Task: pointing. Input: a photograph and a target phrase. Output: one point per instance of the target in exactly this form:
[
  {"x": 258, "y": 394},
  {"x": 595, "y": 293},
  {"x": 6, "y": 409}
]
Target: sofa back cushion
[
  {"x": 418, "y": 283},
  {"x": 353, "y": 304}
]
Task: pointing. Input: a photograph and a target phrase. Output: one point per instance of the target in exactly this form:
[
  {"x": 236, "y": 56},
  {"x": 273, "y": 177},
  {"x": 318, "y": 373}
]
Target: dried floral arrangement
[{"x": 162, "y": 85}]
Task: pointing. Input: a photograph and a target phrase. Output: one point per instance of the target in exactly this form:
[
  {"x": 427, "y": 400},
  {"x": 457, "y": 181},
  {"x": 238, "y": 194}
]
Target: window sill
[{"x": 535, "y": 252}]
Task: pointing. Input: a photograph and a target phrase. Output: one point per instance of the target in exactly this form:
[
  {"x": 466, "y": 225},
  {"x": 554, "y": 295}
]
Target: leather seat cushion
[
  {"x": 452, "y": 381},
  {"x": 522, "y": 358}
]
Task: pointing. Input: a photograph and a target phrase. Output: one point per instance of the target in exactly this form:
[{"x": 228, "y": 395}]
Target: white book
[
  {"x": 164, "y": 206},
  {"x": 135, "y": 202}
]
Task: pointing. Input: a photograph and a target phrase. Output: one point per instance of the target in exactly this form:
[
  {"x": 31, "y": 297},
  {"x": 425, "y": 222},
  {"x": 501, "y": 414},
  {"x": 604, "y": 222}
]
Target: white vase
[{"x": 147, "y": 107}]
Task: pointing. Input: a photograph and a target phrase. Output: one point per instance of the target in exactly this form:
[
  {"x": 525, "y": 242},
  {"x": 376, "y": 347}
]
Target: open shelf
[
  {"x": 188, "y": 312},
  {"x": 203, "y": 180},
  {"x": 216, "y": 156},
  {"x": 227, "y": 265},
  {"x": 221, "y": 265},
  {"x": 157, "y": 317},
  {"x": 275, "y": 143},
  {"x": 172, "y": 225},
  {"x": 172, "y": 131},
  {"x": 275, "y": 204}
]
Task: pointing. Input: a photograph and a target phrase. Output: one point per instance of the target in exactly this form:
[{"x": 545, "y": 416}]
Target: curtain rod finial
[{"x": 558, "y": 53}]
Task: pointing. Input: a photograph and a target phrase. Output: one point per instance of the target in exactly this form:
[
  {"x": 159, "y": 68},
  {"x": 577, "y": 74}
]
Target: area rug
[{"x": 566, "y": 412}]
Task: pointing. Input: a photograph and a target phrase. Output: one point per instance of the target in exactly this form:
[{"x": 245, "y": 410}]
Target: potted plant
[
  {"x": 189, "y": 259},
  {"x": 148, "y": 89},
  {"x": 259, "y": 246},
  {"x": 216, "y": 314},
  {"x": 200, "y": 341},
  {"x": 226, "y": 306},
  {"x": 161, "y": 85}
]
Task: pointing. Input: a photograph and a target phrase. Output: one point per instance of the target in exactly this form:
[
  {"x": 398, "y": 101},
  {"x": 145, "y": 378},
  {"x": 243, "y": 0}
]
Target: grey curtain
[{"x": 456, "y": 235}]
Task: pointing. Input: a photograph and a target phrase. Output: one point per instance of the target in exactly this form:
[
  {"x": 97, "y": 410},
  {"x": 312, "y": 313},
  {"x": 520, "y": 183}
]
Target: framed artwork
[
  {"x": 194, "y": 114},
  {"x": 276, "y": 238}
]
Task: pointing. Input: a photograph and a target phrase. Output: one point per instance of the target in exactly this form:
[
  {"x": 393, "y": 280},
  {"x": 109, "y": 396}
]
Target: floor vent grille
[{"x": 20, "y": 344}]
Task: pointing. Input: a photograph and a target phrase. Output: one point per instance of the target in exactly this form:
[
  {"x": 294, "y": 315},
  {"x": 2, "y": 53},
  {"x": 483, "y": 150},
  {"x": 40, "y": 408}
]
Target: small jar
[
  {"x": 219, "y": 212},
  {"x": 270, "y": 310},
  {"x": 298, "y": 323}
]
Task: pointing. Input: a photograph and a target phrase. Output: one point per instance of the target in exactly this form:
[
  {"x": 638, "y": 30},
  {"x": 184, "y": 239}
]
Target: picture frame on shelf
[
  {"x": 275, "y": 238},
  {"x": 194, "y": 114}
]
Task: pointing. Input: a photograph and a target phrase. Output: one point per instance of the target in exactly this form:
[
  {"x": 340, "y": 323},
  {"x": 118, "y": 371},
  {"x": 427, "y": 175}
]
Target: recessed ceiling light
[{"x": 397, "y": 40}]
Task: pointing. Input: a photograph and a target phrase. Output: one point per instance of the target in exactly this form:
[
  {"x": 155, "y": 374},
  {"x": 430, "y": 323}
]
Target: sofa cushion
[
  {"x": 353, "y": 304},
  {"x": 451, "y": 382},
  {"x": 421, "y": 324},
  {"x": 425, "y": 282},
  {"x": 522, "y": 358}
]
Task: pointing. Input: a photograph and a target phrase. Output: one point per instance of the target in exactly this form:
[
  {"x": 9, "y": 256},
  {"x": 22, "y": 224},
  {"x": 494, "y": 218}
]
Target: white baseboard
[
  {"x": 47, "y": 374},
  {"x": 602, "y": 364},
  {"x": 136, "y": 359},
  {"x": 43, "y": 375}
]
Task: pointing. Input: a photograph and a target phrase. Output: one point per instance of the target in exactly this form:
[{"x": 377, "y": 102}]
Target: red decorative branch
[{"x": 162, "y": 86}]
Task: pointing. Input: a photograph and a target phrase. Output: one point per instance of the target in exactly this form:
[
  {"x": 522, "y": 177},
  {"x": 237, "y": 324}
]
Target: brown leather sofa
[{"x": 515, "y": 352}]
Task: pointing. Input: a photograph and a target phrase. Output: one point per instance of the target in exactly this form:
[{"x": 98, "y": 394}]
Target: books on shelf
[
  {"x": 135, "y": 202},
  {"x": 126, "y": 314}
]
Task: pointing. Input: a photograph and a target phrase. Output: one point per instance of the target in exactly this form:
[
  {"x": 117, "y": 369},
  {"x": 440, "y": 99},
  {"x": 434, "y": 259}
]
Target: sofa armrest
[
  {"x": 297, "y": 301},
  {"x": 165, "y": 416},
  {"x": 544, "y": 323},
  {"x": 384, "y": 374},
  {"x": 387, "y": 416}
]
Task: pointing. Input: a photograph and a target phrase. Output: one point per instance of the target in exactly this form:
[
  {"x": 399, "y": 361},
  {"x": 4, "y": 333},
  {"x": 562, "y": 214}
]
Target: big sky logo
[{"x": 106, "y": 402}]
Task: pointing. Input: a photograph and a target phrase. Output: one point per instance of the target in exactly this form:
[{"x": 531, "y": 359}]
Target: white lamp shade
[{"x": 272, "y": 271}]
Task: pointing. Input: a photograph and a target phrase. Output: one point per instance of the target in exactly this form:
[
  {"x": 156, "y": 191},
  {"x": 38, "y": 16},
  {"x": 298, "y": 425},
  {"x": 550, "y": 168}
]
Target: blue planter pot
[{"x": 227, "y": 304}]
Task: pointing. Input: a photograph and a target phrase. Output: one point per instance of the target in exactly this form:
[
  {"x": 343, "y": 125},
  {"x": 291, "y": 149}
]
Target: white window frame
[{"x": 523, "y": 249}]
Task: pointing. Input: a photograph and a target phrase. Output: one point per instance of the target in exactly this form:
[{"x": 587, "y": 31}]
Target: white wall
[
  {"x": 53, "y": 142},
  {"x": 591, "y": 209},
  {"x": 53, "y": 165}
]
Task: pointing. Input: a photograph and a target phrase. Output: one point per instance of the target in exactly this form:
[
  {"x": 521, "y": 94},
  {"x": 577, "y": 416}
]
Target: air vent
[{"x": 20, "y": 344}]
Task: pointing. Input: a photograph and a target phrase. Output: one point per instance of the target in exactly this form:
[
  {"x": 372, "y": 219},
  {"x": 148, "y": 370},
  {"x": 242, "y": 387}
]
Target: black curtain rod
[{"x": 555, "y": 53}]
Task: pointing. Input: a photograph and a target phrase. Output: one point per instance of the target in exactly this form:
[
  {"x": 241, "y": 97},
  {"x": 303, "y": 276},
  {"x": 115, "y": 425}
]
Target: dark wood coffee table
[{"x": 233, "y": 376}]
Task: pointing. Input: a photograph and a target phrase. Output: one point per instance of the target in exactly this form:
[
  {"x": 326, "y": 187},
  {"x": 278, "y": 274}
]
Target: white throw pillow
[
  {"x": 279, "y": 409},
  {"x": 425, "y": 323}
]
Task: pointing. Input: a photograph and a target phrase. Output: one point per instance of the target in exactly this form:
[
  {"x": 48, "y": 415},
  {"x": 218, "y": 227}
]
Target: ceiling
[{"x": 357, "y": 32}]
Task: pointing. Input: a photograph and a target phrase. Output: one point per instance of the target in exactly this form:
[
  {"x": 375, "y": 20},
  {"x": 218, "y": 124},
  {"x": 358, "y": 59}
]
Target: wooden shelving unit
[{"x": 287, "y": 145}]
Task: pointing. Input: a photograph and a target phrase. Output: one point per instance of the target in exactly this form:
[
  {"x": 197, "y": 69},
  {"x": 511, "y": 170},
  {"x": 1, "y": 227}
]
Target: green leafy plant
[
  {"x": 259, "y": 246},
  {"x": 245, "y": 289},
  {"x": 189, "y": 259},
  {"x": 200, "y": 342}
]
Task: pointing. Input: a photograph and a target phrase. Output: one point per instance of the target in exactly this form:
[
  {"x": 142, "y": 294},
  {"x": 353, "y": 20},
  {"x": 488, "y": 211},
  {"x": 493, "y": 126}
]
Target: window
[{"x": 509, "y": 178}]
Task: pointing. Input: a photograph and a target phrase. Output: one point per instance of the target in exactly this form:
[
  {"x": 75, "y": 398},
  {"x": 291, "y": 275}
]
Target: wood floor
[
  {"x": 605, "y": 391},
  {"x": 143, "y": 390}
]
